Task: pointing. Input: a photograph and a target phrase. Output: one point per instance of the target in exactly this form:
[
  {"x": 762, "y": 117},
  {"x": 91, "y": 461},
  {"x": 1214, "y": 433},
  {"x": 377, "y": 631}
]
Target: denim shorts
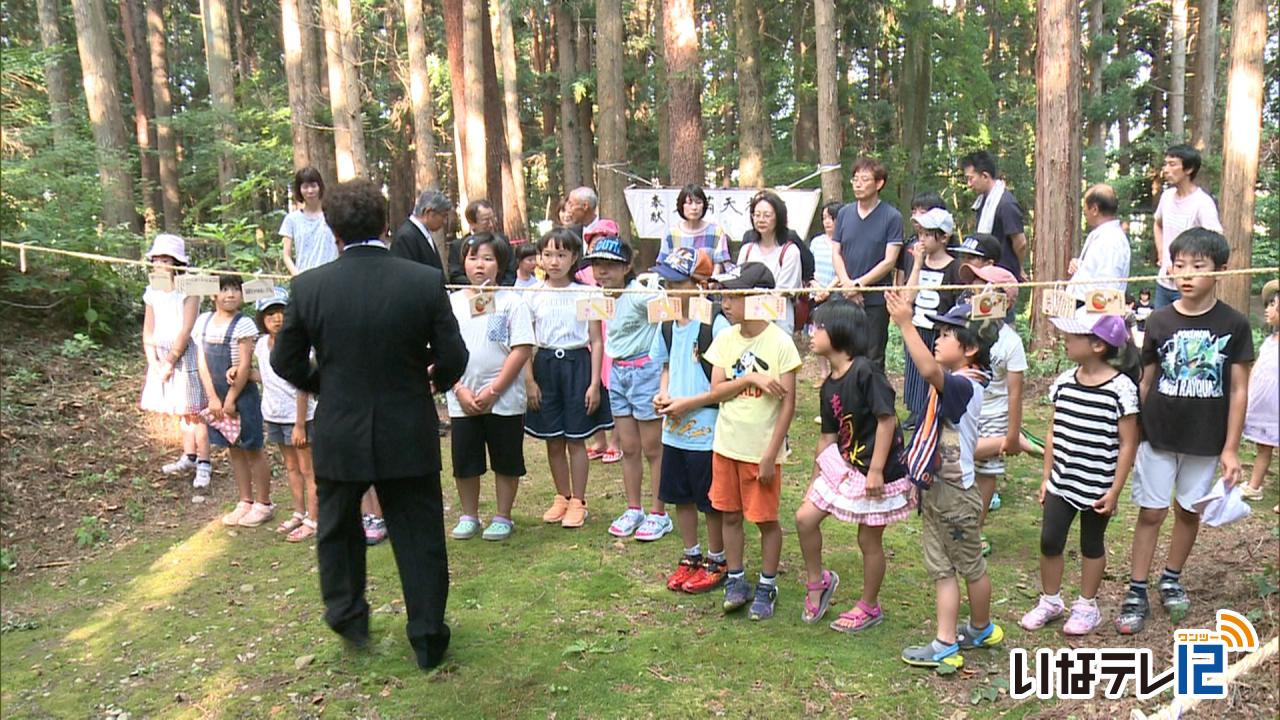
[
  {"x": 282, "y": 433},
  {"x": 632, "y": 388}
]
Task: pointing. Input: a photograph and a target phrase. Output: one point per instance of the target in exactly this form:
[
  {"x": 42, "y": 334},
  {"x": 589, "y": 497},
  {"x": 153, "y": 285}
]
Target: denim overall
[{"x": 217, "y": 358}]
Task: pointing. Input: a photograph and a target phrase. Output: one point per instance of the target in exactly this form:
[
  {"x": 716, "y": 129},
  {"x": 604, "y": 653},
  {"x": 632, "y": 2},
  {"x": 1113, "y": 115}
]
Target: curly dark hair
[{"x": 356, "y": 211}]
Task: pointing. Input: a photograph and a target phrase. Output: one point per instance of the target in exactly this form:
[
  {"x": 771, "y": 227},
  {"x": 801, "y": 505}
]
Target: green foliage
[
  {"x": 8, "y": 561},
  {"x": 91, "y": 532},
  {"x": 78, "y": 345}
]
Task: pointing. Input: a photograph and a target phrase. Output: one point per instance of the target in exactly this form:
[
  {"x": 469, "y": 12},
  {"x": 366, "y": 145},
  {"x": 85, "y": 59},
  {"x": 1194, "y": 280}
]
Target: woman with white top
[{"x": 771, "y": 242}]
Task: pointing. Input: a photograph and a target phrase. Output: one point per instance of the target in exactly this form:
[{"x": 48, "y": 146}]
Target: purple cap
[{"x": 1110, "y": 329}]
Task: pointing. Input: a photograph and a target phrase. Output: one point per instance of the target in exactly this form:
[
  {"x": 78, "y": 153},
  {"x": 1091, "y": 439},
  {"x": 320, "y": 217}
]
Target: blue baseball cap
[
  {"x": 610, "y": 248},
  {"x": 279, "y": 297},
  {"x": 957, "y": 316},
  {"x": 685, "y": 264}
]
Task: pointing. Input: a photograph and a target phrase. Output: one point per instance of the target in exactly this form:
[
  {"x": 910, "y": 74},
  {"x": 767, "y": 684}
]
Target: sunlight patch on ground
[{"x": 171, "y": 574}]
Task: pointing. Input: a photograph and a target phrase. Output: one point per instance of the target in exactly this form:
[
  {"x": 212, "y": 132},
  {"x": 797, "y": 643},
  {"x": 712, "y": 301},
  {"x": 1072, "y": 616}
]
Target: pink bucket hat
[{"x": 991, "y": 273}]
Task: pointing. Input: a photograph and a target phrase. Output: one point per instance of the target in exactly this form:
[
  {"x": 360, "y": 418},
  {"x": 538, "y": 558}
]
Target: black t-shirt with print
[
  {"x": 1186, "y": 407},
  {"x": 850, "y": 408}
]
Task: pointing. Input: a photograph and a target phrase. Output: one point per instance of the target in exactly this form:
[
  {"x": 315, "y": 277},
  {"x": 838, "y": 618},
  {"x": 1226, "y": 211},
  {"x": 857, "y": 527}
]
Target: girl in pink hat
[{"x": 173, "y": 381}]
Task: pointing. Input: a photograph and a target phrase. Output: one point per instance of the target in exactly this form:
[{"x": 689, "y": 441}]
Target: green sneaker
[
  {"x": 969, "y": 637},
  {"x": 467, "y": 528},
  {"x": 499, "y": 529}
]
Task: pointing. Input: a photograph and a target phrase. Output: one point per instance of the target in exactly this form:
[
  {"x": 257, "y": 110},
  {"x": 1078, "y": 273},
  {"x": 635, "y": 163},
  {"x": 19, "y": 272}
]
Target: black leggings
[{"x": 1058, "y": 516}]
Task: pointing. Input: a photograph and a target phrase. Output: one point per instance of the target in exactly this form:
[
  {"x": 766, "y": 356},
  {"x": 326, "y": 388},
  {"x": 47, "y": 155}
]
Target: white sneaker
[
  {"x": 626, "y": 523},
  {"x": 181, "y": 465},
  {"x": 204, "y": 472},
  {"x": 257, "y": 515},
  {"x": 654, "y": 527},
  {"x": 232, "y": 518}
]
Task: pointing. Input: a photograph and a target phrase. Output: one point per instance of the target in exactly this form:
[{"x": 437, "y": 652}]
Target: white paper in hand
[{"x": 1221, "y": 506}]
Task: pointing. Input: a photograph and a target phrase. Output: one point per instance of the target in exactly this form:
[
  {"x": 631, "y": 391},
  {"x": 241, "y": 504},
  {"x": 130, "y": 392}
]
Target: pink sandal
[
  {"x": 827, "y": 585},
  {"x": 860, "y": 617},
  {"x": 305, "y": 530},
  {"x": 610, "y": 456},
  {"x": 290, "y": 524}
]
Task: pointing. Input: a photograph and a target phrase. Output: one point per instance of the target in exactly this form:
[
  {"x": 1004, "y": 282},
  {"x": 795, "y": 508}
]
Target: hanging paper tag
[
  {"x": 664, "y": 309},
  {"x": 1058, "y": 303},
  {"x": 766, "y": 307},
  {"x": 161, "y": 281},
  {"x": 599, "y": 308},
  {"x": 1104, "y": 301},
  {"x": 700, "y": 310},
  {"x": 988, "y": 305},
  {"x": 482, "y": 303},
  {"x": 198, "y": 284},
  {"x": 22, "y": 258},
  {"x": 258, "y": 289}
]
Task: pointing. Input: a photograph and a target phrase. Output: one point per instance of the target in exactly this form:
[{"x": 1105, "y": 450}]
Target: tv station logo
[{"x": 1199, "y": 666}]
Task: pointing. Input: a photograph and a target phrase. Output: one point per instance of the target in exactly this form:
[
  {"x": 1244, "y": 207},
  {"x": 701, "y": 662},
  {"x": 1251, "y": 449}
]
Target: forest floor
[{"x": 123, "y": 598}]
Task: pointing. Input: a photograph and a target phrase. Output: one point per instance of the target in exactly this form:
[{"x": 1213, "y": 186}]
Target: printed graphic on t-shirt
[
  {"x": 687, "y": 427},
  {"x": 853, "y": 451},
  {"x": 949, "y": 468},
  {"x": 1192, "y": 364},
  {"x": 747, "y": 364}
]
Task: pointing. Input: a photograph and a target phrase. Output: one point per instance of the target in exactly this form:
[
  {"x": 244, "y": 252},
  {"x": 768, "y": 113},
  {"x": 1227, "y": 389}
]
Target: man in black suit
[
  {"x": 425, "y": 236},
  {"x": 383, "y": 333}
]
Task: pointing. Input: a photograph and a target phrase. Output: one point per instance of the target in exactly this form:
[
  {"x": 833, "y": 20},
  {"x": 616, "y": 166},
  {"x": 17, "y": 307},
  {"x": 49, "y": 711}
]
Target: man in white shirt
[
  {"x": 1106, "y": 250},
  {"x": 1184, "y": 205}
]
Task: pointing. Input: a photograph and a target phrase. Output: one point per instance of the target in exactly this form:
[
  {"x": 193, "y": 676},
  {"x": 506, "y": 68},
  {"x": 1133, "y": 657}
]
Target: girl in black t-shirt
[{"x": 859, "y": 476}]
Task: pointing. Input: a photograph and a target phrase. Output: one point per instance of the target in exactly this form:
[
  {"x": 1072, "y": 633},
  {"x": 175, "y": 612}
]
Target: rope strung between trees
[{"x": 23, "y": 248}]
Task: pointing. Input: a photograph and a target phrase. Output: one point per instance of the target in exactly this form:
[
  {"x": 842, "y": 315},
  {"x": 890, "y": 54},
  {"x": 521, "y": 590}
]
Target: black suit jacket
[
  {"x": 410, "y": 243},
  {"x": 376, "y": 323}
]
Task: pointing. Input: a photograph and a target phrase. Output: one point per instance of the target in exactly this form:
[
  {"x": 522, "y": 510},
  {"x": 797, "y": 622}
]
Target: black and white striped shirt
[{"x": 1086, "y": 435}]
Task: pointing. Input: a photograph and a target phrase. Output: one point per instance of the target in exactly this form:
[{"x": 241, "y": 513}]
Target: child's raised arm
[{"x": 900, "y": 312}]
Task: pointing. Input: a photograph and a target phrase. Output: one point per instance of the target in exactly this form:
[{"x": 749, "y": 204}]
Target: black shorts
[
  {"x": 686, "y": 478},
  {"x": 502, "y": 434},
  {"x": 563, "y": 376}
]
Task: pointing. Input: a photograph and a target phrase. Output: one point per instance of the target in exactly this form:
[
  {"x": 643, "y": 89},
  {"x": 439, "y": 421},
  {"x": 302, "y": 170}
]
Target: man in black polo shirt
[
  {"x": 869, "y": 233},
  {"x": 998, "y": 213}
]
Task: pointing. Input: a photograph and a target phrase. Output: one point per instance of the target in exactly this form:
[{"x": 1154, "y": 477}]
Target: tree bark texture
[
  {"x": 582, "y": 53},
  {"x": 917, "y": 78},
  {"x": 222, "y": 95},
  {"x": 684, "y": 82},
  {"x": 613, "y": 117},
  {"x": 55, "y": 72},
  {"x": 750, "y": 105},
  {"x": 1096, "y": 155},
  {"x": 166, "y": 145},
  {"x": 511, "y": 101},
  {"x": 1206, "y": 100},
  {"x": 292, "y": 31},
  {"x": 344, "y": 89},
  {"x": 824, "y": 13},
  {"x": 570, "y": 149},
  {"x": 133, "y": 24},
  {"x": 1178, "y": 71}
]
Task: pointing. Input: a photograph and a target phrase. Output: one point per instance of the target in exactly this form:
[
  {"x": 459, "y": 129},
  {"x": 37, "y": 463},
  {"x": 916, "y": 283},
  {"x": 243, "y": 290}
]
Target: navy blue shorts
[
  {"x": 471, "y": 435},
  {"x": 686, "y": 478},
  {"x": 563, "y": 376}
]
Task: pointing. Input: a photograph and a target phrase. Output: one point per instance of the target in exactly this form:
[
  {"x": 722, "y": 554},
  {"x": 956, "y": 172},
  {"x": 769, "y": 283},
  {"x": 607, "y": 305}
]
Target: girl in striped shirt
[{"x": 1087, "y": 458}]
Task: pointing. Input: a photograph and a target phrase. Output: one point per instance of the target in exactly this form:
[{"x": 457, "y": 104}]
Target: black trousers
[
  {"x": 877, "y": 333},
  {"x": 414, "y": 513}
]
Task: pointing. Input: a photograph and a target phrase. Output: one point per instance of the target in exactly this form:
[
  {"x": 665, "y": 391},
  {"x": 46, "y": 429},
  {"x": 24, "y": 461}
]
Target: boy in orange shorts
[{"x": 754, "y": 379}]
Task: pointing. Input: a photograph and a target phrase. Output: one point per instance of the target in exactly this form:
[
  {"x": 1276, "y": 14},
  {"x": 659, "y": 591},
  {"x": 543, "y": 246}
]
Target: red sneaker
[
  {"x": 688, "y": 567},
  {"x": 708, "y": 577}
]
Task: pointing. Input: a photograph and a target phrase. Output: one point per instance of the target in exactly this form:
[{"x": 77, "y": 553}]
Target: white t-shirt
[
  {"x": 555, "y": 316},
  {"x": 207, "y": 330},
  {"x": 279, "y": 398},
  {"x": 489, "y": 339},
  {"x": 1105, "y": 255},
  {"x": 1177, "y": 215},
  {"x": 167, "y": 312},
  {"x": 313, "y": 242},
  {"x": 1007, "y": 355},
  {"x": 784, "y": 263},
  {"x": 958, "y": 438}
]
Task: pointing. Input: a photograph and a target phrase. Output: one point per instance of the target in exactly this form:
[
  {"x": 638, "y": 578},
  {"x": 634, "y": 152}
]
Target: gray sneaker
[
  {"x": 737, "y": 593},
  {"x": 1133, "y": 614},
  {"x": 1175, "y": 599},
  {"x": 762, "y": 606}
]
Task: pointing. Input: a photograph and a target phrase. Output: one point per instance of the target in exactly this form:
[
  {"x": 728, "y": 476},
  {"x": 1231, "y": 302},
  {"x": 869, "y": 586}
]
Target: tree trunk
[
  {"x": 291, "y": 34},
  {"x": 1123, "y": 151},
  {"x": 1241, "y": 143},
  {"x": 570, "y": 147},
  {"x": 684, "y": 83},
  {"x": 55, "y": 73},
  {"x": 344, "y": 89},
  {"x": 1096, "y": 152},
  {"x": 586, "y": 134},
  {"x": 750, "y": 105},
  {"x": 804, "y": 131},
  {"x": 166, "y": 147},
  {"x": 917, "y": 77},
  {"x": 217, "y": 45},
  {"x": 1178, "y": 71},
  {"x": 1057, "y": 154},
  {"x": 98, "y": 66},
  {"x": 613, "y": 109},
  {"x": 132, "y": 23},
  {"x": 243, "y": 66},
  {"x": 661, "y": 92},
  {"x": 511, "y": 102},
  {"x": 1207, "y": 71},
  {"x": 321, "y": 136},
  {"x": 424, "y": 136},
  {"x": 475, "y": 161},
  {"x": 824, "y": 14}
]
